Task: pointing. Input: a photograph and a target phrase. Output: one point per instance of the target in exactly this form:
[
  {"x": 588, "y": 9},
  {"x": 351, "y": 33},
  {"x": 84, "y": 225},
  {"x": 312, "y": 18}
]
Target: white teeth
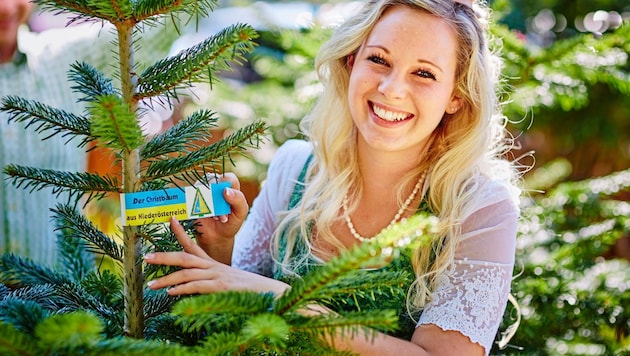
[{"x": 389, "y": 115}]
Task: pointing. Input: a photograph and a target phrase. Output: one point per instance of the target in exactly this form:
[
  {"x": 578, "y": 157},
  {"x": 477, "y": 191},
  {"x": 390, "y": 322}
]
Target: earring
[{"x": 452, "y": 110}]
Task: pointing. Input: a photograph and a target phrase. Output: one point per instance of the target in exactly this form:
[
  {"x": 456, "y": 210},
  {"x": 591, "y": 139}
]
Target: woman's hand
[
  {"x": 215, "y": 235},
  {"x": 200, "y": 274}
]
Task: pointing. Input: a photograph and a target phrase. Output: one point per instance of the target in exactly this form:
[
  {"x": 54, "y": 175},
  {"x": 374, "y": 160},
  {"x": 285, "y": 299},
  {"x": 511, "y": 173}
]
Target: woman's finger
[
  {"x": 187, "y": 243},
  {"x": 188, "y": 275},
  {"x": 197, "y": 287},
  {"x": 177, "y": 259},
  {"x": 238, "y": 203}
]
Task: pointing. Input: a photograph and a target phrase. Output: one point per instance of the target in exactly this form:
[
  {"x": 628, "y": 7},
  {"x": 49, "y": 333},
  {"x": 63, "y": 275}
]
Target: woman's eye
[
  {"x": 377, "y": 59},
  {"x": 426, "y": 74}
]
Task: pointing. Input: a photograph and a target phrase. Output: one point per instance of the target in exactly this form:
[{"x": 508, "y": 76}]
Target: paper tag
[{"x": 184, "y": 203}]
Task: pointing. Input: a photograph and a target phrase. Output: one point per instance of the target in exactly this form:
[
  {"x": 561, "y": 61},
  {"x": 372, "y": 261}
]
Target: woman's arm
[{"x": 426, "y": 340}]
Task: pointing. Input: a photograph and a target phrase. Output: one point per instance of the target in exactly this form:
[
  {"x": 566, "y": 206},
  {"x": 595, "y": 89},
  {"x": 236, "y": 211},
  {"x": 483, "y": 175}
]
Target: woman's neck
[{"x": 383, "y": 170}]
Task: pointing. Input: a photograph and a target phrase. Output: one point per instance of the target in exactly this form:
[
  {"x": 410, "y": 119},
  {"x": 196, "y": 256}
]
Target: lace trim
[{"x": 470, "y": 298}]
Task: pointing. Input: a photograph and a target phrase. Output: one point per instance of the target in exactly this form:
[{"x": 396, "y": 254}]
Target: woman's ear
[
  {"x": 454, "y": 105},
  {"x": 350, "y": 61}
]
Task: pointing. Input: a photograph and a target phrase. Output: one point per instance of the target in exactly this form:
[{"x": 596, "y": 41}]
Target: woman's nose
[{"x": 393, "y": 85}]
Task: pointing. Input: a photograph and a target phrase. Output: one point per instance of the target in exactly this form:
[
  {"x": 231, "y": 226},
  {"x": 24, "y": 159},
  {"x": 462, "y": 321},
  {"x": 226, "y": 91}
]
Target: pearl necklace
[{"x": 402, "y": 209}]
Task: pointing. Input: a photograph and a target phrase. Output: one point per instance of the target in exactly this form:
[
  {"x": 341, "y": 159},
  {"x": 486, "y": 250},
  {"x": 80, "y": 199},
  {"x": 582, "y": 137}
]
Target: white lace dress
[{"x": 470, "y": 297}]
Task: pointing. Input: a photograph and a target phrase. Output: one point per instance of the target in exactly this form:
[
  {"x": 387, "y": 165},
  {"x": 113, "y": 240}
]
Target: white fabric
[{"x": 470, "y": 297}]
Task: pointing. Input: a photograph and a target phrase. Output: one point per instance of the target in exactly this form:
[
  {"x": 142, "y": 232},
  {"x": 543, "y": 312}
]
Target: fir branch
[
  {"x": 234, "y": 302},
  {"x": 267, "y": 328},
  {"x": 42, "y": 294},
  {"x": 614, "y": 78},
  {"x": 79, "y": 227},
  {"x": 223, "y": 343},
  {"x": 20, "y": 271},
  {"x": 22, "y": 314},
  {"x": 14, "y": 342},
  {"x": 114, "y": 123},
  {"x": 105, "y": 286},
  {"x": 197, "y": 311},
  {"x": 80, "y": 9},
  {"x": 349, "y": 323},
  {"x": 73, "y": 297},
  {"x": 128, "y": 347},
  {"x": 605, "y": 186},
  {"x": 182, "y": 136},
  {"x": 190, "y": 167},
  {"x": 196, "y": 64},
  {"x": 362, "y": 284},
  {"x": 118, "y": 10},
  {"x": 157, "y": 303},
  {"x": 90, "y": 81},
  {"x": 145, "y": 9},
  {"x": 69, "y": 330},
  {"x": 417, "y": 229},
  {"x": 74, "y": 258},
  {"x": 162, "y": 327},
  {"x": 75, "y": 184},
  {"x": 47, "y": 120}
]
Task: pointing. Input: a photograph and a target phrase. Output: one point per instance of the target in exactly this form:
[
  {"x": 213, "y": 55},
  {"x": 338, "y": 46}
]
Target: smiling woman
[{"x": 413, "y": 84}]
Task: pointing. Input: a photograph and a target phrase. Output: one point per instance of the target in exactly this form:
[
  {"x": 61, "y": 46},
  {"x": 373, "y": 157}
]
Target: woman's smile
[{"x": 389, "y": 115}]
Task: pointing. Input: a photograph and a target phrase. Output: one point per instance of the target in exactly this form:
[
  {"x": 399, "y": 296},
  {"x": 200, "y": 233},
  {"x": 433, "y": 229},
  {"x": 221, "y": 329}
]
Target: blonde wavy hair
[{"x": 465, "y": 144}]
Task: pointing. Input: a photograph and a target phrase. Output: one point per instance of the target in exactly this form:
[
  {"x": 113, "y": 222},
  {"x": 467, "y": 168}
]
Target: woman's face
[{"x": 402, "y": 80}]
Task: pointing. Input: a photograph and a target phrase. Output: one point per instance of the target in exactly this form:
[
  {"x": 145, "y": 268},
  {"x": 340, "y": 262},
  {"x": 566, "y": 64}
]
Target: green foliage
[
  {"x": 46, "y": 119},
  {"x": 582, "y": 82},
  {"x": 77, "y": 329},
  {"x": 566, "y": 289},
  {"x": 115, "y": 124},
  {"x": 84, "y": 315},
  {"x": 196, "y": 64}
]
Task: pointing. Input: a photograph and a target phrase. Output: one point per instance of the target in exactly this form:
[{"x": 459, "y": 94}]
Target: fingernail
[
  {"x": 174, "y": 220},
  {"x": 150, "y": 283},
  {"x": 224, "y": 218},
  {"x": 149, "y": 257},
  {"x": 229, "y": 192}
]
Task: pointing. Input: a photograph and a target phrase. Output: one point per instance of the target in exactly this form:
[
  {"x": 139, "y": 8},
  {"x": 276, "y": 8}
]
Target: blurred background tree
[{"x": 571, "y": 81}]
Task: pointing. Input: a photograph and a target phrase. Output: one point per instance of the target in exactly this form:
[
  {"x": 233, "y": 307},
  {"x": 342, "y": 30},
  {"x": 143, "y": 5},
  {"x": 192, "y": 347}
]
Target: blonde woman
[{"x": 408, "y": 121}]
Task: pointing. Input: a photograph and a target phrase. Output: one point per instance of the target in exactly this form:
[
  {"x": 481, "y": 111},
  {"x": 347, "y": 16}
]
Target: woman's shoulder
[
  {"x": 492, "y": 190},
  {"x": 295, "y": 147}
]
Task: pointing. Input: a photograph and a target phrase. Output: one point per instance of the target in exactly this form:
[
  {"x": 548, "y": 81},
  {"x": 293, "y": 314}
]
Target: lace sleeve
[
  {"x": 471, "y": 296},
  {"x": 252, "y": 242}
]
